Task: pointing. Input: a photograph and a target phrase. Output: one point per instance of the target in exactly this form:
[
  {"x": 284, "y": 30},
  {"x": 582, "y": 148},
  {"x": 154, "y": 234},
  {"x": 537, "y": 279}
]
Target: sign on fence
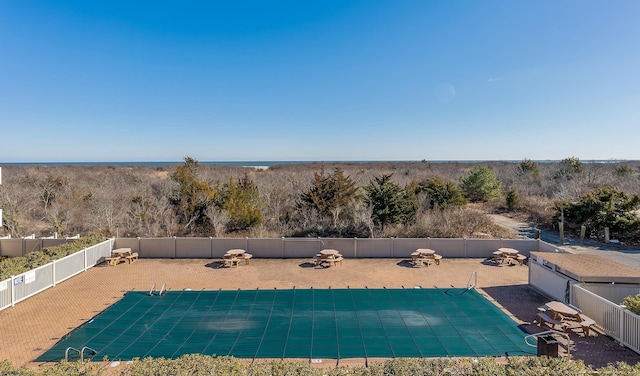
[
  {"x": 18, "y": 280},
  {"x": 30, "y": 277}
]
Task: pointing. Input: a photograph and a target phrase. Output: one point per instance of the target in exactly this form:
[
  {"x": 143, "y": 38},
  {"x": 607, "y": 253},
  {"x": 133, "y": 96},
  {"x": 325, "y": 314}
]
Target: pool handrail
[
  {"x": 82, "y": 352},
  {"x": 66, "y": 353},
  {"x": 469, "y": 286},
  {"x": 551, "y": 332}
]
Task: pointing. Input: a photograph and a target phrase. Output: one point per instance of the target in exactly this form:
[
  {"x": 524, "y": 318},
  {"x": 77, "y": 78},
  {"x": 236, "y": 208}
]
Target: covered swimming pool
[{"x": 298, "y": 323}]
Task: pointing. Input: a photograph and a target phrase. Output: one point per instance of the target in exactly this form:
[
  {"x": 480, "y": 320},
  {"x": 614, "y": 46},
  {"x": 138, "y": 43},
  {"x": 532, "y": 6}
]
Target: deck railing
[{"x": 615, "y": 320}]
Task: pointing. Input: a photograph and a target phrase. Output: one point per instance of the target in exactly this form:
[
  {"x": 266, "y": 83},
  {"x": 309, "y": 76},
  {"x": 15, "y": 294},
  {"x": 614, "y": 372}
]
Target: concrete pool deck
[{"x": 36, "y": 324}]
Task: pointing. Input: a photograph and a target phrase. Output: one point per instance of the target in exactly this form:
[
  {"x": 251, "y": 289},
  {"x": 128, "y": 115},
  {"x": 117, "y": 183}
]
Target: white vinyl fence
[
  {"x": 616, "y": 321},
  {"x": 545, "y": 278},
  {"x": 25, "y": 285}
]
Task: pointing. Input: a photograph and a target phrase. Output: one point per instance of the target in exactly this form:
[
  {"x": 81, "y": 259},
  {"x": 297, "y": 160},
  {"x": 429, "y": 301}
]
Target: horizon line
[{"x": 273, "y": 162}]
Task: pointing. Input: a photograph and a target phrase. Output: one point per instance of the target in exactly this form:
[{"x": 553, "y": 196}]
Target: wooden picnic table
[
  {"x": 560, "y": 308},
  {"x": 508, "y": 251},
  {"x": 424, "y": 256},
  {"x": 565, "y": 315},
  {"x": 236, "y": 252},
  {"x": 508, "y": 255},
  {"x": 425, "y": 251},
  {"x": 233, "y": 257},
  {"x": 330, "y": 256},
  {"x": 121, "y": 252},
  {"x": 329, "y": 252}
]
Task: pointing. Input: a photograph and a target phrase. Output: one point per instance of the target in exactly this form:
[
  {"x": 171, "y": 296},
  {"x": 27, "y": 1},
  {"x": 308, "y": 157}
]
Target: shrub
[
  {"x": 512, "y": 200},
  {"x": 195, "y": 365},
  {"x": 600, "y": 208},
  {"x": 569, "y": 168},
  {"x": 442, "y": 194},
  {"x": 18, "y": 265},
  {"x": 454, "y": 223},
  {"x": 632, "y": 303},
  {"x": 625, "y": 171},
  {"x": 528, "y": 168},
  {"x": 242, "y": 203},
  {"x": 7, "y": 369}
]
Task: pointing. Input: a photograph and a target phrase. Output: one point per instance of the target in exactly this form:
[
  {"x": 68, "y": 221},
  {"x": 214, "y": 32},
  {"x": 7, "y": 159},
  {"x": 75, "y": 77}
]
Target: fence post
[
  {"x": 13, "y": 292},
  {"x": 282, "y": 246},
  {"x": 175, "y": 252},
  {"x": 465, "y": 247},
  {"x": 355, "y": 247},
  {"x": 53, "y": 273},
  {"x": 622, "y": 333},
  {"x": 392, "y": 248},
  {"x": 572, "y": 287}
]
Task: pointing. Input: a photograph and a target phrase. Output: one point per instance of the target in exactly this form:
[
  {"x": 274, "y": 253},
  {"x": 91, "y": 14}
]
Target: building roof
[{"x": 588, "y": 268}]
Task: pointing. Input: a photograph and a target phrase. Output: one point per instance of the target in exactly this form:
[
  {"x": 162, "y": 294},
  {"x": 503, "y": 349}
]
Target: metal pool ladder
[
  {"x": 475, "y": 283},
  {"x": 163, "y": 289},
  {"x": 80, "y": 352}
]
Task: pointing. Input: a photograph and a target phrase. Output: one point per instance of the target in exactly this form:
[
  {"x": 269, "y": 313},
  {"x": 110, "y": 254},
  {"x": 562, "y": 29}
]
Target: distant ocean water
[{"x": 272, "y": 163}]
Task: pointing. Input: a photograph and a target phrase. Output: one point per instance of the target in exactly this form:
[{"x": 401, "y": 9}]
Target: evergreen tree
[
  {"x": 192, "y": 198},
  {"x": 389, "y": 202},
  {"x": 512, "y": 200},
  {"x": 329, "y": 195},
  {"x": 481, "y": 184},
  {"x": 442, "y": 194},
  {"x": 242, "y": 202},
  {"x": 528, "y": 168},
  {"x": 569, "y": 168},
  {"x": 600, "y": 208}
]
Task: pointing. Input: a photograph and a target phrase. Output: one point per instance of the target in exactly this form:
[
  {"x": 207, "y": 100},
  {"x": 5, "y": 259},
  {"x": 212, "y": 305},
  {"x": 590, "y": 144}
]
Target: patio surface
[{"x": 36, "y": 324}]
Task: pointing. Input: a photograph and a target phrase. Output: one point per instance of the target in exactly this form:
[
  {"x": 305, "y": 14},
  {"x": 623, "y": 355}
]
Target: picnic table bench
[
  {"x": 132, "y": 257},
  {"x": 565, "y": 315},
  {"x": 546, "y": 319},
  {"x": 113, "y": 261}
]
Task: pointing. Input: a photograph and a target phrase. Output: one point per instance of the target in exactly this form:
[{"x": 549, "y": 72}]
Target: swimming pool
[{"x": 299, "y": 323}]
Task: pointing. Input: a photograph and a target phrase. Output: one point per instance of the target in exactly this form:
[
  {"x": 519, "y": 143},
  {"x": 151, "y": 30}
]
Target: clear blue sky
[{"x": 319, "y": 80}]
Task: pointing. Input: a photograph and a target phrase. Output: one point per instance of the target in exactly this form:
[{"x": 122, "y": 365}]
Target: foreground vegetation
[
  {"x": 400, "y": 199},
  {"x": 18, "y": 265},
  {"x": 196, "y": 365}
]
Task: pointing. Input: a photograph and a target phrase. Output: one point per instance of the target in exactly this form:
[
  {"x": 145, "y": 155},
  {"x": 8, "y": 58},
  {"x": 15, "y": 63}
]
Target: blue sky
[{"x": 318, "y": 80}]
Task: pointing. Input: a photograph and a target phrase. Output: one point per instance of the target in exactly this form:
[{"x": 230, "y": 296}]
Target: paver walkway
[{"x": 34, "y": 325}]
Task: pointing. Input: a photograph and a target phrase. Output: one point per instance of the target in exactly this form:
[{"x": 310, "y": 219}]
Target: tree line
[{"x": 373, "y": 199}]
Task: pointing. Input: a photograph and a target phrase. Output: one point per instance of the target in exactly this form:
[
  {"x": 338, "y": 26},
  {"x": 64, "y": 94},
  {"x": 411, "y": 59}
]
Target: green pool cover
[{"x": 310, "y": 323}]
